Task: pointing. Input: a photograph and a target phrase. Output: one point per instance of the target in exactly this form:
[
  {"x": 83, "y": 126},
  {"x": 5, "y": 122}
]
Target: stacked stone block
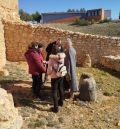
[
  {"x": 112, "y": 62},
  {"x": 19, "y": 35},
  {"x": 9, "y": 10}
]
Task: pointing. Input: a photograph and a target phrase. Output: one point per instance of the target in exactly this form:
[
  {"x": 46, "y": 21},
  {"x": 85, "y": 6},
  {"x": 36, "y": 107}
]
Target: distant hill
[{"x": 105, "y": 29}]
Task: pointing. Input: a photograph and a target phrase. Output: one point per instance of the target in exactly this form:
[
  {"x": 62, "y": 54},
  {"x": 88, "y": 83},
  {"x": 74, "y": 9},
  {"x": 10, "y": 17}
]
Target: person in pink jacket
[{"x": 55, "y": 59}]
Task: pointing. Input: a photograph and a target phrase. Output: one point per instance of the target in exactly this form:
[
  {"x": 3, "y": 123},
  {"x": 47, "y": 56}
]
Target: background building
[
  {"x": 64, "y": 17},
  {"x": 69, "y": 17}
]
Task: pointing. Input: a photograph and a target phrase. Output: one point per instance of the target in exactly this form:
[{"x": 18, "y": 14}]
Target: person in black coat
[
  {"x": 49, "y": 51},
  {"x": 50, "y": 46}
]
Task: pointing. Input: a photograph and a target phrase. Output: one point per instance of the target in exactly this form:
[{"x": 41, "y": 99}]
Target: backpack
[{"x": 61, "y": 71}]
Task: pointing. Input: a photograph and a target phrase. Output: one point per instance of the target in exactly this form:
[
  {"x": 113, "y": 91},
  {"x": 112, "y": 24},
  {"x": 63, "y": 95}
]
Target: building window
[
  {"x": 95, "y": 13},
  {"x": 88, "y": 14},
  {"x": 92, "y": 13},
  {"x": 99, "y": 13}
]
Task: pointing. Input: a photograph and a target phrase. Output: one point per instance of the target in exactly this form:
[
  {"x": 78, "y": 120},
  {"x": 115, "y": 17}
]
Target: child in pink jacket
[{"x": 55, "y": 59}]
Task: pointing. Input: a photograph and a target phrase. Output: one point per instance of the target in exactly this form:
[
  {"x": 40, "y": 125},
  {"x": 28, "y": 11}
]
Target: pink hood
[{"x": 53, "y": 64}]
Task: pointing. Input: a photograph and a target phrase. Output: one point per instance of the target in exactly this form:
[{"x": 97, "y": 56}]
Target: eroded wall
[
  {"x": 8, "y": 10},
  {"x": 19, "y": 35}
]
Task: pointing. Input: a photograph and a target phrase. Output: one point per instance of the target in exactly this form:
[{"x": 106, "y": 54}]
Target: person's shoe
[
  {"x": 70, "y": 95},
  {"x": 55, "y": 110},
  {"x": 60, "y": 103}
]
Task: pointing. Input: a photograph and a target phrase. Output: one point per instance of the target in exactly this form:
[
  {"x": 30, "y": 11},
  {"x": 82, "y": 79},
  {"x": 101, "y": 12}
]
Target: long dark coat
[{"x": 70, "y": 62}]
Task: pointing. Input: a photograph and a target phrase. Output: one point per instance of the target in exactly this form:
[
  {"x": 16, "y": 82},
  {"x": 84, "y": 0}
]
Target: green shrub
[
  {"x": 92, "y": 21},
  {"x": 81, "y": 23},
  {"x": 105, "y": 21}
]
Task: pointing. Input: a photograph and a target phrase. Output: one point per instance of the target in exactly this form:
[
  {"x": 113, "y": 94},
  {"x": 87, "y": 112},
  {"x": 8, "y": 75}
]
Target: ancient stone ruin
[
  {"x": 86, "y": 60},
  {"x": 9, "y": 10},
  {"x": 9, "y": 117},
  {"x": 87, "y": 86},
  {"x": 16, "y": 35}
]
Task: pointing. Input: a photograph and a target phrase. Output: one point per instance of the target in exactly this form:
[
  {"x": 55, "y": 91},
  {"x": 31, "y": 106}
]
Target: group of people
[{"x": 56, "y": 55}]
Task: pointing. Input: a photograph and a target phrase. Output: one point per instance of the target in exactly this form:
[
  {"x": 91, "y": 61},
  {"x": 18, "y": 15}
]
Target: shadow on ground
[
  {"x": 23, "y": 96},
  {"x": 110, "y": 71}
]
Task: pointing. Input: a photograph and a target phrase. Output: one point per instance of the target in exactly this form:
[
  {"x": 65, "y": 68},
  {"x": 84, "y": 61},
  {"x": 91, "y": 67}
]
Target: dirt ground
[{"x": 75, "y": 114}]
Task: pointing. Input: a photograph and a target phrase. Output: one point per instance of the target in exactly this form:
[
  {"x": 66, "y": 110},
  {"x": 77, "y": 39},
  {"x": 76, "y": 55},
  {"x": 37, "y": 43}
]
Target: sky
[{"x": 45, "y": 6}]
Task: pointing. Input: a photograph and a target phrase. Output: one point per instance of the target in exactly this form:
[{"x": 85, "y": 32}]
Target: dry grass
[
  {"x": 104, "y": 114},
  {"x": 105, "y": 29}
]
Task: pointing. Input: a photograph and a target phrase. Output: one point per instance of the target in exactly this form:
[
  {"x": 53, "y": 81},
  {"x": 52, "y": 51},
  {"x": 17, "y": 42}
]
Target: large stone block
[
  {"x": 9, "y": 117},
  {"x": 87, "y": 87},
  {"x": 86, "y": 60},
  {"x": 112, "y": 62}
]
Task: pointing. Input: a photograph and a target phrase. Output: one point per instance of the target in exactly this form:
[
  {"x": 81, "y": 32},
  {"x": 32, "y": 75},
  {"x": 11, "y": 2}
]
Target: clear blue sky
[{"x": 43, "y": 6}]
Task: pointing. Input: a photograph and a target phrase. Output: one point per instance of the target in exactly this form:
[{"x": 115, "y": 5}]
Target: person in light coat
[{"x": 70, "y": 63}]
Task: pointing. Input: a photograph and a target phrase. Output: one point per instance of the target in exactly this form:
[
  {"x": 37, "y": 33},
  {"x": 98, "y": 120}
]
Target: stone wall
[
  {"x": 18, "y": 36},
  {"x": 9, "y": 10},
  {"x": 112, "y": 62},
  {"x": 9, "y": 117}
]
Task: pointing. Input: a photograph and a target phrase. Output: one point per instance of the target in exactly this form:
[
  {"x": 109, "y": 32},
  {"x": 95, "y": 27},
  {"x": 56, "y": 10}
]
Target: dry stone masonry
[
  {"x": 9, "y": 117},
  {"x": 15, "y": 36},
  {"x": 9, "y": 10},
  {"x": 112, "y": 62},
  {"x": 18, "y": 35}
]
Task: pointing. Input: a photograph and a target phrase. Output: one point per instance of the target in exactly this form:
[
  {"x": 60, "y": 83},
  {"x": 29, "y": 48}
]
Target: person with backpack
[
  {"x": 36, "y": 67},
  {"x": 55, "y": 66},
  {"x": 49, "y": 51}
]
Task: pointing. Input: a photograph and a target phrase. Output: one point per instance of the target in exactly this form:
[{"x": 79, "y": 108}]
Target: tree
[
  {"x": 69, "y": 10},
  {"x": 119, "y": 15},
  {"x": 24, "y": 15},
  {"x": 82, "y": 10},
  {"x": 36, "y": 17},
  {"x": 73, "y": 10},
  {"x": 29, "y": 17},
  {"x": 77, "y": 10}
]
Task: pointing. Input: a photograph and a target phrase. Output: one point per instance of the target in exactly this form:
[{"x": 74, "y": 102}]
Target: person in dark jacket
[
  {"x": 50, "y": 46},
  {"x": 49, "y": 50},
  {"x": 36, "y": 67}
]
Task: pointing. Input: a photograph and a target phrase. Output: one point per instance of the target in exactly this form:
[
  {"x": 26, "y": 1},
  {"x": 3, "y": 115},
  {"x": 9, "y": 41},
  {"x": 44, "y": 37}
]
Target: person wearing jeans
[{"x": 56, "y": 82}]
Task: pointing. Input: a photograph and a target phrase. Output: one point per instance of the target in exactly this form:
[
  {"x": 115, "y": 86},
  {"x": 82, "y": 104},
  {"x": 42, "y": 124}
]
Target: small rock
[
  {"x": 92, "y": 111},
  {"x": 81, "y": 115},
  {"x": 4, "y": 72},
  {"x": 61, "y": 119},
  {"x": 107, "y": 120},
  {"x": 118, "y": 124},
  {"x": 43, "y": 121}
]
